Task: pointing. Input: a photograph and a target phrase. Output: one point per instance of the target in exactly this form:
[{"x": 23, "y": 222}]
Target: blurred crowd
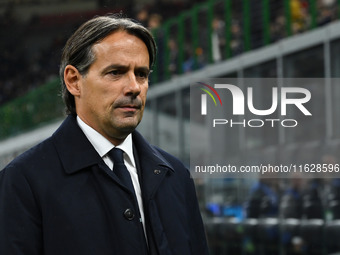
[
  {"x": 198, "y": 57},
  {"x": 298, "y": 215},
  {"x": 296, "y": 197},
  {"x": 31, "y": 51}
]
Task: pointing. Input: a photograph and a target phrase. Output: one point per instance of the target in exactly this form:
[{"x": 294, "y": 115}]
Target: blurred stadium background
[{"x": 199, "y": 39}]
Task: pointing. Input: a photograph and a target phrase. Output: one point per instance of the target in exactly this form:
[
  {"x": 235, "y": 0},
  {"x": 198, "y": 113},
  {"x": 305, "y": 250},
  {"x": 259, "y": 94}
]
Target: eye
[
  {"x": 115, "y": 72},
  {"x": 142, "y": 74}
]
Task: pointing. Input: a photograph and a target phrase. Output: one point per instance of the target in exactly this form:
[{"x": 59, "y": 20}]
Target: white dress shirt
[{"x": 103, "y": 146}]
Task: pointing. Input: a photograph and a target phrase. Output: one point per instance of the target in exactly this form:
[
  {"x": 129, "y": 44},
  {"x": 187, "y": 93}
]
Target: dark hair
[{"x": 78, "y": 49}]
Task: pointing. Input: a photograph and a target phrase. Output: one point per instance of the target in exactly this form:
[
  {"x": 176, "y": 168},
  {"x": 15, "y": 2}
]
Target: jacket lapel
[
  {"x": 152, "y": 165},
  {"x": 153, "y": 168}
]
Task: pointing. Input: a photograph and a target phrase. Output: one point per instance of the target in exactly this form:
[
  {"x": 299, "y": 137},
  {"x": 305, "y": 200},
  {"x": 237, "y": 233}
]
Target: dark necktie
[{"x": 120, "y": 169}]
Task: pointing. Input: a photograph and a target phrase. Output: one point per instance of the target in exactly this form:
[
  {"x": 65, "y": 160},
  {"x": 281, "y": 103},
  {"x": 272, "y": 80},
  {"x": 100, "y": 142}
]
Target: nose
[{"x": 132, "y": 88}]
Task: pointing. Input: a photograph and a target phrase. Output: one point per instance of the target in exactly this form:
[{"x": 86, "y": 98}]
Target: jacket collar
[
  {"x": 74, "y": 149},
  {"x": 77, "y": 153}
]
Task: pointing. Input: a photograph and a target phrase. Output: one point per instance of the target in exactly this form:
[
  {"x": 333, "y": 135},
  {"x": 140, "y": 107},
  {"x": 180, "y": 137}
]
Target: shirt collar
[{"x": 102, "y": 145}]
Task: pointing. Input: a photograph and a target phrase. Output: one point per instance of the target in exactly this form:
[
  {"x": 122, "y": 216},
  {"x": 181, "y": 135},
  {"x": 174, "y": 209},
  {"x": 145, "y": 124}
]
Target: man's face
[{"x": 113, "y": 92}]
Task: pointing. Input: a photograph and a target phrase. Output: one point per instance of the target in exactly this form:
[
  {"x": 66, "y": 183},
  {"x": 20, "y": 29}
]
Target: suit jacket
[{"x": 60, "y": 198}]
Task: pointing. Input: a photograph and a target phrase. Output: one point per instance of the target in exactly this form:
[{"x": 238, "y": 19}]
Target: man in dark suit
[{"x": 96, "y": 186}]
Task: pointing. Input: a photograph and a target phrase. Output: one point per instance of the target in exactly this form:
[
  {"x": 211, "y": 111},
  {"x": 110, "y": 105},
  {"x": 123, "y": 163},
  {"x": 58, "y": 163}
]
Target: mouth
[{"x": 129, "y": 107}]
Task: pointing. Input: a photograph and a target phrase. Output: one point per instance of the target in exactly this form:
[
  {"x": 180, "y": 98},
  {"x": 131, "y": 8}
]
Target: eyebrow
[{"x": 124, "y": 67}]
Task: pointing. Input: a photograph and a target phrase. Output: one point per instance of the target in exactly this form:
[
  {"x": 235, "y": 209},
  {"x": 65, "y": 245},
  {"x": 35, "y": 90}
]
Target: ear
[{"x": 72, "y": 79}]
